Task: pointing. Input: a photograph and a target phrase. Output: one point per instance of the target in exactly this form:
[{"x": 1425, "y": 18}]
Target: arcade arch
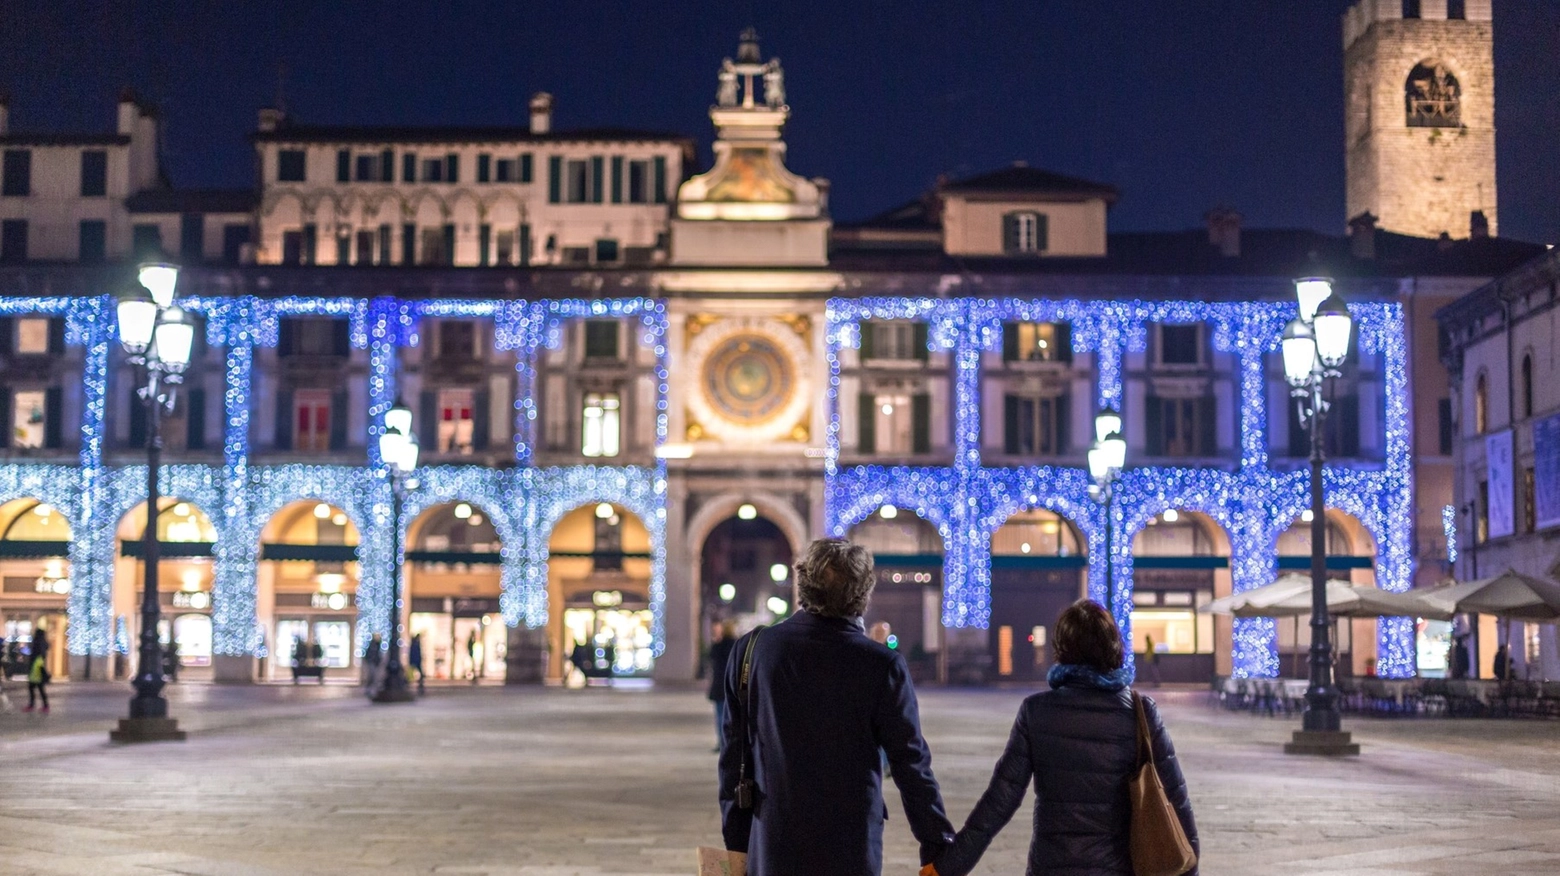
[
  {"x": 598, "y": 572},
  {"x": 1180, "y": 562},
  {"x": 907, "y": 555},
  {"x": 453, "y": 571},
  {"x": 36, "y": 575},
  {"x": 306, "y": 594},
  {"x": 186, "y": 541},
  {"x": 1039, "y": 563}
]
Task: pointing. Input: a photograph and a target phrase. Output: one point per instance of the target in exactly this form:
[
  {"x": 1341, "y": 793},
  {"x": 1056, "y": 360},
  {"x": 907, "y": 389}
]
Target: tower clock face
[{"x": 752, "y": 382}]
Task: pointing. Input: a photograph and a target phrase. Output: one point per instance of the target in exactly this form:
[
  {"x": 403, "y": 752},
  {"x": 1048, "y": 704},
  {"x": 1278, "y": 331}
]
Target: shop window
[
  {"x": 1181, "y": 427},
  {"x": 601, "y": 424},
  {"x": 16, "y": 178},
  {"x": 456, "y": 420},
  {"x": 1025, "y": 233},
  {"x": 94, "y": 173},
  {"x": 192, "y": 634},
  {"x": 311, "y": 418},
  {"x": 1035, "y": 426},
  {"x": 1181, "y": 344},
  {"x": 893, "y": 339},
  {"x": 290, "y": 165},
  {"x": 1036, "y": 342},
  {"x": 601, "y": 340},
  {"x": 1169, "y": 618}
]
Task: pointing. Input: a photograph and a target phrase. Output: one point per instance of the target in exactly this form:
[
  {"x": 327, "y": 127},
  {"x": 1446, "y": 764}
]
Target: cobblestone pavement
[{"x": 281, "y": 780}]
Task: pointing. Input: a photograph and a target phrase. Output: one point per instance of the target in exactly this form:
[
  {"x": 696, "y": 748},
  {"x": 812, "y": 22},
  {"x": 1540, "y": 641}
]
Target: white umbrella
[
  {"x": 1511, "y": 595},
  {"x": 1289, "y": 596}
]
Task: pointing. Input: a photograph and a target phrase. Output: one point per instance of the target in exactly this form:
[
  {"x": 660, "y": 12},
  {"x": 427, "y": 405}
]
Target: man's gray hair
[{"x": 834, "y": 578}]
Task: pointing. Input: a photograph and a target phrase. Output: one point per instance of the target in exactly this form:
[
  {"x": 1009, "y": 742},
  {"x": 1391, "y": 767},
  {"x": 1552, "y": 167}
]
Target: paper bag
[{"x": 720, "y": 862}]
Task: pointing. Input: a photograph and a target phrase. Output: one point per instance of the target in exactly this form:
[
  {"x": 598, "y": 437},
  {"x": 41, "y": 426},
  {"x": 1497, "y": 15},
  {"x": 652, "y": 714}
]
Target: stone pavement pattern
[{"x": 532, "y": 782}]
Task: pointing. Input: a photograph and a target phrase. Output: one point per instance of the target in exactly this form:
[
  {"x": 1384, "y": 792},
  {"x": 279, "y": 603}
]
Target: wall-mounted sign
[
  {"x": 198, "y": 600},
  {"x": 607, "y": 598},
  {"x": 56, "y": 586},
  {"x": 1546, "y": 472},
  {"x": 1497, "y": 452},
  {"x": 329, "y": 601}
]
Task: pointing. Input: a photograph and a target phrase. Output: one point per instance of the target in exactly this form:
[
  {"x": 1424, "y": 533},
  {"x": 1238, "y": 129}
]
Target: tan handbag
[{"x": 1159, "y": 845}]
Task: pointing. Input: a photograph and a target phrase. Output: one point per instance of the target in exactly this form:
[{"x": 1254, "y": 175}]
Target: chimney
[
  {"x": 5, "y": 113},
  {"x": 1478, "y": 225},
  {"x": 541, "y": 113},
  {"x": 1224, "y": 230},
  {"x": 1362, "y": 236},
  {"x": 270, "y": 119},
  {"x": 129, "y": 111}
]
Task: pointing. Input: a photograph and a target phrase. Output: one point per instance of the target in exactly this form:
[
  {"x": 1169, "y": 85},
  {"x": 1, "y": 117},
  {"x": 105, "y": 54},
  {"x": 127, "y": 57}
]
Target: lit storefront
[
  {"x": 34, "y": 583},
  {"x": 907, "y": 556},
  {"x": 454, "y": 581},
  {"x": 186, "y": 541},
  {"x": 1037, "y": 569},
  {"x": 599, "y": 571},
  {"x": 308, "y": 581},
  {"x": 1180, "y": 562}
]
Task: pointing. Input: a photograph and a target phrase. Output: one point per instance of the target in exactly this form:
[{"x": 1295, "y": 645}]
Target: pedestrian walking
[
  {"x": 1151, "y": 660},
  {"x": 414, "y": 660},
  {"x": 723, "y": 637},
  {"x": 1077, "y": 743},
  {"x": 801, "y": 783},
  {"x": 471, "y": 654},
  {"x": 1501, "y": 663},
  {"x": 38, "y": 671},
  {"x": 1460, "y": 661},
  {"x": 581, "y": 658}
]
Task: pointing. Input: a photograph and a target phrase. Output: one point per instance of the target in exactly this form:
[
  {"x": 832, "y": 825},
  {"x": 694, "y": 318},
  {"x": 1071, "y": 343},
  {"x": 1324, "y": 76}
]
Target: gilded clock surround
[{"x": 753, "y": 383}]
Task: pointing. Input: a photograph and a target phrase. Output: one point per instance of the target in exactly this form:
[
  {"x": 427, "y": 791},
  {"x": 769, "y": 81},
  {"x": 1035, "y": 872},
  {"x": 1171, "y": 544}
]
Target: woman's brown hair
[{"x": 1086, "y": 634}]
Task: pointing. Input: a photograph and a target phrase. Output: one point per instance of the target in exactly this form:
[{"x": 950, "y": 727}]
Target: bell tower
[{"x": 1419, "y": 90}]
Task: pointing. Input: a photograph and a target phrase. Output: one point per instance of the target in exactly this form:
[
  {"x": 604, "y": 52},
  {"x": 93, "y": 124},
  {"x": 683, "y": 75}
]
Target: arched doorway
[
  {"x": 307, "y": 588},
  {"x": 186, "y": 540},
  {"x": 35, "y": 571},
  {"x": 1180, "y": 561},
  {"x": 598, "y": 571},
  {"x": 453, "y": 578},
  {"x": 745, "y": 572},
  {"x": 1038, "y": 564},
  {"x": 907, "y": 554},
  {"x": 1351, "y": 556}
]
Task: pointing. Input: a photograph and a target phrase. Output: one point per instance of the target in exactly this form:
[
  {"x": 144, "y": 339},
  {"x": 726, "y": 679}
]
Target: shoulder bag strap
[
  {"x": 1145, "y": 748},
  {"x": 745, "y": 691}
]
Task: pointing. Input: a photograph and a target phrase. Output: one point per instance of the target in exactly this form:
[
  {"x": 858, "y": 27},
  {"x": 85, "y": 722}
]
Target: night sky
[{"x": 1182, "y": 104}]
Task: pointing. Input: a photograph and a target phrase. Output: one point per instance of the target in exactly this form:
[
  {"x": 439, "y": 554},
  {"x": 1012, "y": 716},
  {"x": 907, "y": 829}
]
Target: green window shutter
[
  {"x": 1299, "y": 436},
  {"x": 1154, "y": 422},
  {"x": 338, "y": 419},
  {"x": 53, "y": 432},
  {"x": 484, "y": 168},
  {"x": 1042, "y": 232},
  {"x": 479, "y": 420},
  {"x": 597, "y": 178},
  {"x": 1010, "y": 233},
  {"x": 920, "y": 423},
  {"x": 1207, "y": 426},
  {"x": 387, "y": 166},
  {"x": 527, "y": 168},
  {"x": 1010, "y": 425},
  {"x": 866, "y": 414},
  {"x": 918, "y": 337},
  {"x": 555, "y": 179},
  {"x": 449, "y": 244},
  {"x": 195, "y": 419},
  {"x": 408, "y": 244},
  {"x": 1348, "y": 419},
  {"x": 286, "y": 334},
  {"x": 658, "y": 184},
  {"x": 341, "y": 337},
  {"x": 864, "y": 328},
  {"x": 617, "y": 179},
  {"x": 1064, "y": 351},
  {"x": 5, "y": 413},
  {"x": 284, "y": 419},
  {"x": 428, "y": 414},
  {"x": 1009, "y": 341},
  {"x": 343, "y": 165},
  {"x": 452, "y": 168},
  {"x": 484, "y": 242},
  {"x": 137, "y": 420},
  {"x": 525, "y": 244},
  {"x": 56, "y": 341},
  {"x": 1063, "y": 405},
  {"x": 7, "y": 332},
  {"x": 409, "y": 168}
]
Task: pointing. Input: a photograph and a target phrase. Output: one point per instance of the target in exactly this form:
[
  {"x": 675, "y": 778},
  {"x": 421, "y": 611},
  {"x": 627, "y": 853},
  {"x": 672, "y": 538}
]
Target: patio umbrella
[
  {"x": 1511, "y": 595},
  {"x": 1289, "y": 596}
]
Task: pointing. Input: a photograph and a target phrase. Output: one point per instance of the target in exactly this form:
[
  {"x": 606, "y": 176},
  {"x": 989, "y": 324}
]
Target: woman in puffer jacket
[{"x": 1078, "y": 743}]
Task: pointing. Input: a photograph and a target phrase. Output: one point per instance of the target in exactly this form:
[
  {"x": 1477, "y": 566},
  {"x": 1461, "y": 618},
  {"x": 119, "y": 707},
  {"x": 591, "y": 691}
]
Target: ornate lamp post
[
  {"x": 158, "y": 337},
  {"x": 398, "y": 448},
  {"x": 1106, "y": 459},
  {"x": 1314, "y": 346}
]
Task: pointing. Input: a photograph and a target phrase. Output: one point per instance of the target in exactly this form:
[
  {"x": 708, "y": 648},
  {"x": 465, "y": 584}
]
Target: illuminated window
[
  {"x": 1036, "y": 342},
  {"x": 32, "y": 335},
  {"x": 895, "y": 424},
  {"x": 455, "y": 420},
  {"x": 1025, "y": 233},
  {"x": 1481, "y": 404},
  {"x": 893, "y": 339},
  {"x": 311, "y": 416},
  {"x": 601, "y": 434},
  {"x": 29, "y": 418}
]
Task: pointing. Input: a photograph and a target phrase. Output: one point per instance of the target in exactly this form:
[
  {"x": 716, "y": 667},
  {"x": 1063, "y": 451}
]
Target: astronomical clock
[{"x": 753, "y": 379}]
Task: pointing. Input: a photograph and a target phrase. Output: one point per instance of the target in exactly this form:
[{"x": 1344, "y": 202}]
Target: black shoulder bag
[{"x": 746, "y": 786}]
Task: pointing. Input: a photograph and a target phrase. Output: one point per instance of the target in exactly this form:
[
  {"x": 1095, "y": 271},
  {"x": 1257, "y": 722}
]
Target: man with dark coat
[{"x": 822, "y": 701}]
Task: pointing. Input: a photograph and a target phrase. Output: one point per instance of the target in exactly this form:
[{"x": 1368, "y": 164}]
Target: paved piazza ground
[{"x": 281, "y": 780}]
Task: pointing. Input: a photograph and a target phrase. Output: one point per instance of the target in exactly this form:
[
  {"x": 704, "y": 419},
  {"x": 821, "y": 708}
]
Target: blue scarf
[{"x": 1078, "y": 675}]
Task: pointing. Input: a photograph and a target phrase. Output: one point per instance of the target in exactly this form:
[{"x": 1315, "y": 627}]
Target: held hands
[{"x": 929, "y": 870}]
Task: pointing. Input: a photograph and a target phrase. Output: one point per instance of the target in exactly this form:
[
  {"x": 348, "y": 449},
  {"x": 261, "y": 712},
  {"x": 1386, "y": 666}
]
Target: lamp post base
[
  {"x": 147, "y": 730},
  {"x": 1328, "y": 743}
]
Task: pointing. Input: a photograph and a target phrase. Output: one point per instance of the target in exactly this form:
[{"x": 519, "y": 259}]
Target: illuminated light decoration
[
  {"x": 888, "y": 512},
  {"x": 776, "y": 605},
  {"x": 500, "y": 495},
  {"x": 728, "y": 592},
  {"x": 1449, "y": 527},
  {"x": 779, "y": 572},
  {"x": 746, "y": 512},
  {"x": 1252, "y": 504}
]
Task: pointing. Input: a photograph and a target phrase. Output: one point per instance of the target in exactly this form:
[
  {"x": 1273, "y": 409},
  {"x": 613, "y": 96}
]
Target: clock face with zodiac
[{"x": 752, "y": 387}]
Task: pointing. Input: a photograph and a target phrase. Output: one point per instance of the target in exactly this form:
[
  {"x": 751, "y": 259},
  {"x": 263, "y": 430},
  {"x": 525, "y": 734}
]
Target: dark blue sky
[{"x": 1183, "y": 104}]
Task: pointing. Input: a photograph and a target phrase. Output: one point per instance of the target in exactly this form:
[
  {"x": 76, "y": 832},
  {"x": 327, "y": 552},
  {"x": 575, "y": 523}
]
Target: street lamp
[
  {"x": 157, "y": 337},
  {"x": 398, "y": 449},
  {"x": 1106, "y": 459},
  {"x": 1314, "y": 345}
]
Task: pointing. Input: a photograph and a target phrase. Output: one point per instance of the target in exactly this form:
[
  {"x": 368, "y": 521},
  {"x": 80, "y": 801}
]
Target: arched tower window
[
  {"x": 1433, "y": 97},
  {"x": 1481, "y": 405},
  {"x": 1527, "y": 385}
]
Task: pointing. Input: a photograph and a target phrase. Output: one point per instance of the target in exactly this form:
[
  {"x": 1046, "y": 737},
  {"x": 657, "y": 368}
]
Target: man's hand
[{"x": 929, "y": 870}]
